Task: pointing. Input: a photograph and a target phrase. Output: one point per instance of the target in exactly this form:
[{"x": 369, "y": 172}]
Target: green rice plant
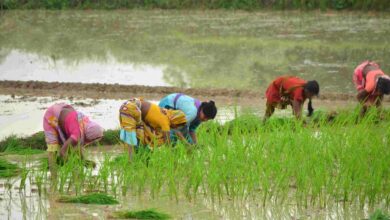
[
  {"x": 379, "y": 215},
  {"x": 142, "y": 214},
  {"x": 110, "y": 137},
  {"x": 15, "y": 145},
  {"x": 94, "y": 198},
  {"x": 104, "y": 172},
  {"x": 8, "y": 169},
  {"x": 23, "y": 178},
  {"x": 282, "y": 161},
  {"x": 36, "y": 144}
]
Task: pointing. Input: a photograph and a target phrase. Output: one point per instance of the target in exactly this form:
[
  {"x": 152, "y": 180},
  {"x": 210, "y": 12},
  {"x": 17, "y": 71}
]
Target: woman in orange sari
[{"x": 290, "y": 90}]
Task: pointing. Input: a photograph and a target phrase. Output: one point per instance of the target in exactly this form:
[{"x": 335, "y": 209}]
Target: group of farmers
[{"x": 177, "y": 116}]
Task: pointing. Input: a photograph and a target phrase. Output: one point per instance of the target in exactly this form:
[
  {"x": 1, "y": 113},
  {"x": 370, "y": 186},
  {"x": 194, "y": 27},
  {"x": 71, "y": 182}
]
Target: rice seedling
[
  {"x": 379, "y": 215},
  {"x": 15, "y": 145},
  {"x": 313, "y": 164},
  {"x": 8, "y": 169},
  {"x": 94, "y": 198},
  {"x": 35, "y": 144},
  {"x": 110, "y": 137},
  {"x": 23, "y": 178},
  {"x": 142, "y": 214}
]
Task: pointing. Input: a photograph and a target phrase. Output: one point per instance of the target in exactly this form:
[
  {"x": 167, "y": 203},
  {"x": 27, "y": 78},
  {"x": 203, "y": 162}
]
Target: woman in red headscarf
[{"x": 290, "y": 90}]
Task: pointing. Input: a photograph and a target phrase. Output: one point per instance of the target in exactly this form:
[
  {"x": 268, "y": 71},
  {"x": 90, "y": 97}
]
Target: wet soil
[{"x": 116, "y": 91}]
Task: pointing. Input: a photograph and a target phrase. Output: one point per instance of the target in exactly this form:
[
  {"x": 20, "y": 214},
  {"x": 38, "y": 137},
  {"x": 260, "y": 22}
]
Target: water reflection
[
  {"x": 192, "y": 49},
  {"x": 24, "y": 66}
]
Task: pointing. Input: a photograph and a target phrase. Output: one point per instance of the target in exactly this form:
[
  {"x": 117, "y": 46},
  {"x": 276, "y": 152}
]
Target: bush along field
[
  {"x": 381, "y": 5},
  {"x": 331, "y": 158}
]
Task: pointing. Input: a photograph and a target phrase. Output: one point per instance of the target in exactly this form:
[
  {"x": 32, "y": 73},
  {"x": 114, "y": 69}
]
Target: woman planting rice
[
  {"x": 290, "y": 90},
  {"x": 371, "y": 84},
  {"x": 145, "y": 123},
  {"x": 195, "y": 111},
  {"x": 64, "y": 127}
]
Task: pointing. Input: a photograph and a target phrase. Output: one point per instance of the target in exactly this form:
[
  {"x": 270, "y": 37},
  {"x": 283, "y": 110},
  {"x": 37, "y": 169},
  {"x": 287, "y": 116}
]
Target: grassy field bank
[{"x": 381, "y": 5}]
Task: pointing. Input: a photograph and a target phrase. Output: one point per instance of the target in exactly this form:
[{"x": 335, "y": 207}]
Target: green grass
[
  {"x": 379, "y": 215},
  {"x": 143, "y": 214},
  {"x": 8, "y": 169},
  {"x": 208, "y": 4},
  {"x": 95, "y": 198}
]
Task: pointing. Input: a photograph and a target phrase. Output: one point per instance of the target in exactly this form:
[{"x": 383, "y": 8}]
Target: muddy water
[
  {"x": 28, "y": 204},
  {"x": 190, "y": 48}
]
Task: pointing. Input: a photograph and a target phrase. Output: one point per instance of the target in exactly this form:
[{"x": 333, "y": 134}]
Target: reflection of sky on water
[
  {"x": 199, "y": 49},
  {"x": 23, "y": 116},
  {"x": 26, "y": 66}
]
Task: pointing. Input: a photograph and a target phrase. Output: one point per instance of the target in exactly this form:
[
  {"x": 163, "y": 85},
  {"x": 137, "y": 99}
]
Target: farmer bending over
[
  {"x": 195, "y": 112},
  {"x": 144, "y": 123},
  {"x": 65, "y": 127},
  {"x": 371, "y": 84},
  {"x": 290, "y": 90}
]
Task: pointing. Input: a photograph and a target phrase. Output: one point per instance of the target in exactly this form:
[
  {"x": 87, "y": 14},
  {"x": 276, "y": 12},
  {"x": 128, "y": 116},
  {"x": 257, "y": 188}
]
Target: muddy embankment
[{"x": 115, "y": 91}]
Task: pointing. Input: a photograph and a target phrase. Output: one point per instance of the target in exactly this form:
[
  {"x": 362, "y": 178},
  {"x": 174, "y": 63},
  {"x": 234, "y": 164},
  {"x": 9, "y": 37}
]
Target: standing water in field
[
  {"x": 192, "y": 48},
  {"x": 242, "y": 169}
]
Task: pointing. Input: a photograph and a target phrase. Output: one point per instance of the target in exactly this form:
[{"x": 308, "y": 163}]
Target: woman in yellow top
[{"x": 145, "y": 123}]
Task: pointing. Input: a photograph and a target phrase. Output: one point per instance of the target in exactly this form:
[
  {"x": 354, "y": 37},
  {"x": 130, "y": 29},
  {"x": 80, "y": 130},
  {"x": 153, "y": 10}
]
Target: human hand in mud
[
  {"x": 63, "y": 152},
  {"x": 65, "y": 146}
]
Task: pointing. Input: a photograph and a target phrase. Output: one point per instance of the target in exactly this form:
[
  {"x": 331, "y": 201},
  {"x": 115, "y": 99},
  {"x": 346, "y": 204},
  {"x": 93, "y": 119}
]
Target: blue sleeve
[
  {"x": 167, "y": 101},
  {"x": 130, "y": 137},
  {"x": 187, "y": 105}
]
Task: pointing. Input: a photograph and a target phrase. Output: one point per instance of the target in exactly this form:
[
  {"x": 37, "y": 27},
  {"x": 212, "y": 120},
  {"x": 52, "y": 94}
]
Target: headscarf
[{"x": 93, "y": 131}]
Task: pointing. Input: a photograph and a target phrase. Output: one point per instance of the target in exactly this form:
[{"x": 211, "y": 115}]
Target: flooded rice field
[
  {"x": 273, "y": 173},
  {"x": 28, "y": 202},
  {"x": 34, "y": 201},
  {"x": 218, "y": 49}
]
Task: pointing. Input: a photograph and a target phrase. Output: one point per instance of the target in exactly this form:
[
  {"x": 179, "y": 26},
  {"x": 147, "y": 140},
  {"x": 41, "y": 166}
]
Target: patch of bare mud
[
  {"x": 113, "y": 91},
  {"x": 225, "y": 97}
]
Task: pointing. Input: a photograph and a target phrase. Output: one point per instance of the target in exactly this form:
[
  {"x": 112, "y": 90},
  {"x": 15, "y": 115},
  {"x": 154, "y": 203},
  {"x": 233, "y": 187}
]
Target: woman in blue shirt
[{"x": 196, "y": 112}]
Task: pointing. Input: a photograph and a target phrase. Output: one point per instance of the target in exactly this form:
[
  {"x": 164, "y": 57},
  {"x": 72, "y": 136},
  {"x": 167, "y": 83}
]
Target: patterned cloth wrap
[
  {"x": 148, "y": 132},
  {"x": 55, "y": 137}
]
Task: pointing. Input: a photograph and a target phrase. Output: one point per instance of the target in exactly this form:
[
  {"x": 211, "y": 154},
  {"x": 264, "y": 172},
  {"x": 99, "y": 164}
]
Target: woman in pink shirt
[
  {"x": 64, "y": 127},
  {"x": 371, "y": 84}
]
